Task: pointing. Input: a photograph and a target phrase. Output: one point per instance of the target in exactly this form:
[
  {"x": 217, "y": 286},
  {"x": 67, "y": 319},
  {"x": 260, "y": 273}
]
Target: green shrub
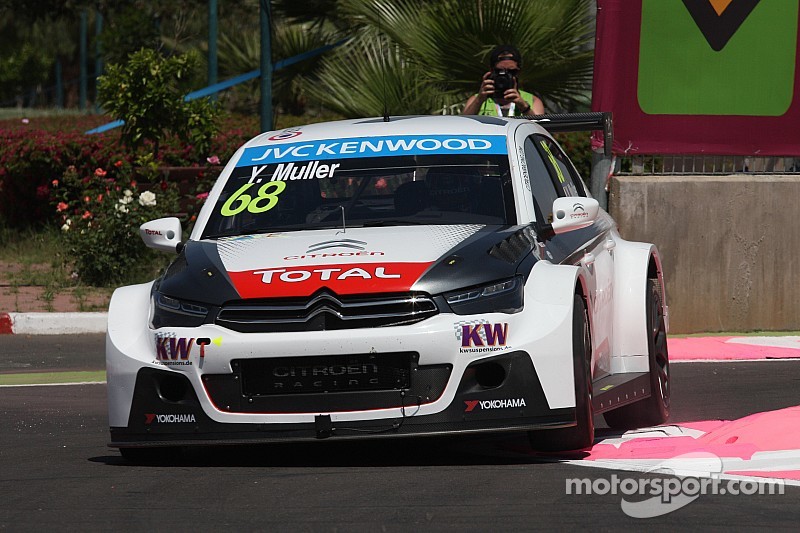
[
  {"x": 100, "y": 214},
  {"x": 36, "y": 152},
  {"x": 147, "y": 92}
]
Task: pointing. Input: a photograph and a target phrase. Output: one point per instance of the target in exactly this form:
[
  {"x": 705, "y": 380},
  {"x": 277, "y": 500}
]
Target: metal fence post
[
  {"x": 266, "y": 68},
  {"x": 212, "y": 44},
  {"x": 84, "y": 60},
  {"x": 601, "y": 168}
]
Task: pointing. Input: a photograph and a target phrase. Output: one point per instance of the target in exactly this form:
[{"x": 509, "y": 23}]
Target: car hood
[{"x": 398, "y": 259}]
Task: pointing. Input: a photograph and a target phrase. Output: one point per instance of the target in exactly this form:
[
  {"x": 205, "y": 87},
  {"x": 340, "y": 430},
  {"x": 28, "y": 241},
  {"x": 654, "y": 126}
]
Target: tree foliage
[
  {"x": 446, "y": 42},
  {"x": 410, "y": 56},
  {"x": 147, "y": 93}
]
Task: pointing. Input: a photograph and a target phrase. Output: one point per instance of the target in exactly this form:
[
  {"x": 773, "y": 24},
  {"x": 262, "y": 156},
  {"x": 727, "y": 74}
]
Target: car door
[{"x": 552, "y": 175}]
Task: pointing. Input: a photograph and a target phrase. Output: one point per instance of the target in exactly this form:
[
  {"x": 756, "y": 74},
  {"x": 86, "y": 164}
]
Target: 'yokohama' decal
[{"x": 346, "y": 278}]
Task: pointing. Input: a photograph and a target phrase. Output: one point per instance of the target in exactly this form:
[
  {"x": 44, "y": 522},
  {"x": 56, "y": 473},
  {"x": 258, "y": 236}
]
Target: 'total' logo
[{"x": 340, "y": 278}]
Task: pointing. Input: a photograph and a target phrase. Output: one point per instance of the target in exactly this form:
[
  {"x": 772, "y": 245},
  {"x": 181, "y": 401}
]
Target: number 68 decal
[{"x": 264, "y": 200}]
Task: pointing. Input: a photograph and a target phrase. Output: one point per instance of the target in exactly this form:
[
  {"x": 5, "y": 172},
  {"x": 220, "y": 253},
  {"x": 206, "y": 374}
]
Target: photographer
[{"x": 499, "y": 94}]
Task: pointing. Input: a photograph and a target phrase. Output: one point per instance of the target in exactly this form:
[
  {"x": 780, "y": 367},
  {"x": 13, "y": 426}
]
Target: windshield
[{"x": 403, "y": 190}]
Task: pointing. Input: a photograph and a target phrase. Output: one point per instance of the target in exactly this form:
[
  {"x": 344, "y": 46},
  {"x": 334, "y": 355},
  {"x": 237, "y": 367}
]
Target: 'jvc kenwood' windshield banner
[{"x": 359, "y": 147}]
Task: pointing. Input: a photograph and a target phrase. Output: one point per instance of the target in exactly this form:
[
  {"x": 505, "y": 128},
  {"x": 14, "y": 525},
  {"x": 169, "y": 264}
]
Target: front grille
[
  {"x": 325, "y": 373},
  {"x": 325, "y": 384},
  {"x": 326, "y": 311}
]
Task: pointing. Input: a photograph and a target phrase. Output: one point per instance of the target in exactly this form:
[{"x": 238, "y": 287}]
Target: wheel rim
[
  {"x": 587, "y": 354},
  {"x": 660, "y": 355}
]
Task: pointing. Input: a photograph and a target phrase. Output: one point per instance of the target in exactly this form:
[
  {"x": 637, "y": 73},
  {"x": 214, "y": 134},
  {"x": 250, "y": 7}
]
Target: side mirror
[
  {"x": 574, "y": 212},
  {"x": 163, "y": 234}
]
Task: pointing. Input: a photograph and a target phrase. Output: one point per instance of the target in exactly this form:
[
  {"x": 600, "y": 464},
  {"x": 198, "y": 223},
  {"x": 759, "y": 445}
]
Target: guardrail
[{"x": 705, "y": 165}]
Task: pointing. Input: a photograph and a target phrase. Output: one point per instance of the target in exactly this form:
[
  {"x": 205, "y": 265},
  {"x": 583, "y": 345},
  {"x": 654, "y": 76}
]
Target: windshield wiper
[
  {"x": 274, "y": 229},
  {"x": 393, "y": 222}
]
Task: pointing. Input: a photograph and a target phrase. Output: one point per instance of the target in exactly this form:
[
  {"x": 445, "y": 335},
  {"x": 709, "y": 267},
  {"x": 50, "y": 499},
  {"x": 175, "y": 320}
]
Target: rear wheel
[
  {"x": 653, "y": 410},
  {"x": 581, "y": 436}
]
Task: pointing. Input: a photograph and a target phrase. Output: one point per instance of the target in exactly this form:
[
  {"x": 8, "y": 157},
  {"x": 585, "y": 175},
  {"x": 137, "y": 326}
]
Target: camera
[{"x": 503, "y": 81}]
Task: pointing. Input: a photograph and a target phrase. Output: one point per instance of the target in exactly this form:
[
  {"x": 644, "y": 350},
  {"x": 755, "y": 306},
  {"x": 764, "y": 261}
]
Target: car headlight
[
  {"x": 171, "y": 312},
  {"x": 498, "y": 297}
]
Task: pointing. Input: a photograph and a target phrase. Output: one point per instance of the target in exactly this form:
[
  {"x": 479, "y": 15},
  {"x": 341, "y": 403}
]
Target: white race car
[{"x": 410, "y": 276}]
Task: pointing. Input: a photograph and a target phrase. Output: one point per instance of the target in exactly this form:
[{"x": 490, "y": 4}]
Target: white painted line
[
  {"x": 771, "y": 342},
  {"x": 647, "y": 468}
]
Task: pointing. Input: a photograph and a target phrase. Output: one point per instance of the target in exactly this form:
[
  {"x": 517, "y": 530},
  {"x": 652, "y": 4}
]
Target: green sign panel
[{"x": 717, "y": 57}]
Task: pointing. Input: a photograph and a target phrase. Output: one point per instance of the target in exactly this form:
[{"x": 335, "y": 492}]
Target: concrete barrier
[{"x": 730, "y": 246}]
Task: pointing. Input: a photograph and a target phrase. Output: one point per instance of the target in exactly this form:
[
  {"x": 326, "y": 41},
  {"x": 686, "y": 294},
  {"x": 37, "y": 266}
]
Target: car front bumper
[{"x": 518, "y": 403}]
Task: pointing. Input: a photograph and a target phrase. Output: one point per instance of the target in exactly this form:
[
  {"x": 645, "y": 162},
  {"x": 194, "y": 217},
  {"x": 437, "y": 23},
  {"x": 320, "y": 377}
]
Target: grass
[
  {"x": 34, "y": 258},
  {"x": 39, "y": 255},
  {"x": 45, "y": 378},
  {"x": 8, "y": 113}
]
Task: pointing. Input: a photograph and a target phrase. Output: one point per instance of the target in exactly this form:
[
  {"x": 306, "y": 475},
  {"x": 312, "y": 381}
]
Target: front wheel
[
  {"x": 581, "y": 436},
  {"x": 653, "y": 410}
]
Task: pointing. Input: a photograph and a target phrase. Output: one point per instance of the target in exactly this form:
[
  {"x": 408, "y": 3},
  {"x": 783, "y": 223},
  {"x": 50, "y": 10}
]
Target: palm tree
[
  {"x": 416, "y": 56},
  {"x": 297, "y": 27}
]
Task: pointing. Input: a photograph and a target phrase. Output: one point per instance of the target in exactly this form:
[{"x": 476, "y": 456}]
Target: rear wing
[{"x": 565, "y": 122}]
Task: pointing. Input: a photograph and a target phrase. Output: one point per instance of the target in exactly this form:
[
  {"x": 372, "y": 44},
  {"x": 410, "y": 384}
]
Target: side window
[
  {"x": 561, "y": 169},
  {"x": 542, "y": 186}
]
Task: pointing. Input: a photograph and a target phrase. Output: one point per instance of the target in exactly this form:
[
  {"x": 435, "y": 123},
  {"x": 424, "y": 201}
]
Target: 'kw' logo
[
  {"x": 494, "y": 335},
  {"x": 173, "y": 349}
]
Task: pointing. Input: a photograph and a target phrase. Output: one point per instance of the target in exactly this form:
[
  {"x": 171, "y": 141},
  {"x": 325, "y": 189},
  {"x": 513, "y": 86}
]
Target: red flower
[
  {"x": 164, "y": 186},
  {"x": 61, "y": 206},
  {"x": 99, "y": 197},
  {"x": 118, "y": 163},
  {"x": 202, "y": 196},
  {"x": 99, "y": 172},
  {"x": 55, "y": 183},
  {"x": 86, "y": 199},
  {"x": 86, "y": 214}
]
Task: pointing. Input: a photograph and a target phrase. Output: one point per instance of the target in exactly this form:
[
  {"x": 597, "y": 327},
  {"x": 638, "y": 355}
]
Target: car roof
[{"x": 377, "y": 127}]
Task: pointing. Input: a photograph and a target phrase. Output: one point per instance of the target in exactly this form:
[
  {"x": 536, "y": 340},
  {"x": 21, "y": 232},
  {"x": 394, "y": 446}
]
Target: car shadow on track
[{"x": 389, "y": 452}]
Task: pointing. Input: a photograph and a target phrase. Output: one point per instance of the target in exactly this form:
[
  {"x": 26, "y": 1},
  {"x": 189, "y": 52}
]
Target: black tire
[
  {"x": 150, "y": 455},
  {"x": 653, "y": 410},
  {"x": 581, "y": 436}
]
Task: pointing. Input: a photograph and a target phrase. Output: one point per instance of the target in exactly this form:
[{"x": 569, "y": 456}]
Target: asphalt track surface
[{"x": 56, "y": 471}]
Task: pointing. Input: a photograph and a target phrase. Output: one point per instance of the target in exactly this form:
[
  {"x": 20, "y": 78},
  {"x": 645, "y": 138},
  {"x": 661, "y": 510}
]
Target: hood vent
[
  {"x": 177, "y": 266},
  {"x": 512, "y": 249}
]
